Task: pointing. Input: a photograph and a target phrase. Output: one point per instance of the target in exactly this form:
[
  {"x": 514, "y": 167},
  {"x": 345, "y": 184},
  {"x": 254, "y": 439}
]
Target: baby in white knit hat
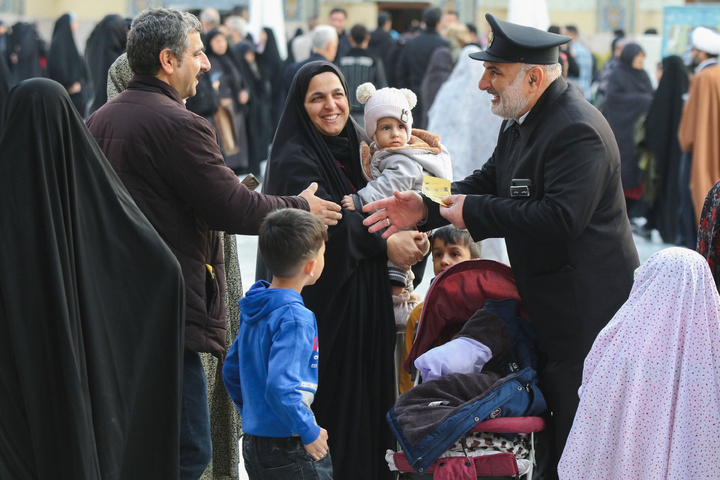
[{"x": 398, "y": 159}]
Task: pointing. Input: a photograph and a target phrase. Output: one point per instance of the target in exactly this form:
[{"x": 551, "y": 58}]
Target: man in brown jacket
[{"x": 170, "y": 162}]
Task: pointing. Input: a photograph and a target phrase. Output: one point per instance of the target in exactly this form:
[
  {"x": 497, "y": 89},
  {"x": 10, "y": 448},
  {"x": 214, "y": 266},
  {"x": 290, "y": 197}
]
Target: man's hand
[
  {"x": 403, "y": 249},
  {"x": 319, "y": 448},
  {"x": 328, "y": 212},
  {"x": 454, "y": 213},
  {"x": 402, "y": 210}
]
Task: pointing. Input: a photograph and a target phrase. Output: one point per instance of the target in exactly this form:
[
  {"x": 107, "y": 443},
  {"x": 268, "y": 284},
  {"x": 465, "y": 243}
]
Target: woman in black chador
[
  {"x": 661, "y": 128},
  {"x": 627, "y": 100},
  {"x": 317, "y": 141},
  {"x": 234, "y": 93},
  {"x": 64, "y": 63},
  {"x": 104, "y": 45},
  {"x": 91, "y": 307}
]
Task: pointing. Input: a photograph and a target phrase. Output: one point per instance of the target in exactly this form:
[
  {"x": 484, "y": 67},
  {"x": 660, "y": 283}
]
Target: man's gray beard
[{"x": 512, "y": 101}]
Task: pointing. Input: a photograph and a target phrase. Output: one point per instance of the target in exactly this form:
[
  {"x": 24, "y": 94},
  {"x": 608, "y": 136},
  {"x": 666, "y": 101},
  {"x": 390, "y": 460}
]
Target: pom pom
[
  {"x": 411, "y": 97},
  {"x": 364, "y": 92}
]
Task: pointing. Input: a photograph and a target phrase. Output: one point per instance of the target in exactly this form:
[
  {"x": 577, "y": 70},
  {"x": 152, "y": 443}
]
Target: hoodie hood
[{"x": 259, "y": 301}]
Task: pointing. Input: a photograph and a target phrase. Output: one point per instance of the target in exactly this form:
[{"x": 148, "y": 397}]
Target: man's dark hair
[
  {"x": 338, "y": 10},
  {"x": 383, "y": 18},
  {"x": 154, "y": 30},
  {"x": 288, "y": 238},
  {"x": 471, "y": 28},
  {"x": 431, "y": 17},
  {"x": 358, "y": 33},
  {"x": 450, "y": 234},
  {"x": 572, "y": 29},
  {"x": 554, "y": 29}
]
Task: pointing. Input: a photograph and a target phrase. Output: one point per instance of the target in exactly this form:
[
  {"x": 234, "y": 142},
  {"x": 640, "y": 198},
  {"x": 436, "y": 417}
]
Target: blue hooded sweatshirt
[{"x": 271, "y": 371}]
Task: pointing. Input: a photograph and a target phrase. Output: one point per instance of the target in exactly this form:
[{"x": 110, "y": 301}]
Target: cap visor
[{"x": 486, "y": 57}]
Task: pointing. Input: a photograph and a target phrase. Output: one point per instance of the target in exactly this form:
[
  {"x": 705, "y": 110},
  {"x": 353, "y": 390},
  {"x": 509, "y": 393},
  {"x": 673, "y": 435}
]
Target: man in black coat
[
  {"x": 358, "y": 67},
  {"x": 382, "y": 43},
  {"x": 416, "y": 56},
  {"x": 338, "y": 20},
  {"x": 552, "y": 189}
]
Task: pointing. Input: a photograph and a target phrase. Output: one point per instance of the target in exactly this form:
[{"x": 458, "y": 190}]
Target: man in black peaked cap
[{"x": 552, "y": 189}]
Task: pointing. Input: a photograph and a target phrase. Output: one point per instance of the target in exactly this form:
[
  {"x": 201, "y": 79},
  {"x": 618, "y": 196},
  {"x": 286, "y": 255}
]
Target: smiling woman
[
  {"x": 317, "y": 141},
  {"x": 326, "y": 104}
]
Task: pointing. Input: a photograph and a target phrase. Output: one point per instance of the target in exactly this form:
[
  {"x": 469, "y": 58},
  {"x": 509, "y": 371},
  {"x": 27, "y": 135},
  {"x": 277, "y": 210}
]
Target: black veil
[
  {"x": 351, "y": 299},
  {"x": 91, "y": 307}
]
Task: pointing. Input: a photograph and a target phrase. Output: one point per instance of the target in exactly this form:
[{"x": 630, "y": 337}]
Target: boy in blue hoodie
[{"x": 271, "y": 371}]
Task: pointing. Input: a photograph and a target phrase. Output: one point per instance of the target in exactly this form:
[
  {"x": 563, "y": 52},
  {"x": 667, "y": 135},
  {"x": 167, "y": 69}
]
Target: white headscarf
[{"x": 650, "y": 397}]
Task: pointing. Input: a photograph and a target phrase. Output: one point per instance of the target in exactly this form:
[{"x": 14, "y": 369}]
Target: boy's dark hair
[
  {"x": 452, "y": 234},
  {"x": 288, "y": 238},
  {"x": 358, "y": 33},
  {"x": 338, "y": 10}
]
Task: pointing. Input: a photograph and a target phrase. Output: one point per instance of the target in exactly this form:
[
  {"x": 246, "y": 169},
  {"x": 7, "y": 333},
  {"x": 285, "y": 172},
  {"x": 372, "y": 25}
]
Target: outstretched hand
[
  {"x": 328, "y": 212},
  {"x": 402, "y": 210}
]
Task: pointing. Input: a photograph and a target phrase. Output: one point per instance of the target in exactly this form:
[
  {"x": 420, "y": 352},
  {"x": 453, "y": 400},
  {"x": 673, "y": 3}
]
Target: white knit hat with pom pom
[{"x": 386, "y": 102}]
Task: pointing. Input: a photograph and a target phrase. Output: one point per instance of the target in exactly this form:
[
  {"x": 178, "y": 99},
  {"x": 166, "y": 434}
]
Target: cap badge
[
  {"x": 490, "y": 40},
  {"x": 404, "y": 116}
]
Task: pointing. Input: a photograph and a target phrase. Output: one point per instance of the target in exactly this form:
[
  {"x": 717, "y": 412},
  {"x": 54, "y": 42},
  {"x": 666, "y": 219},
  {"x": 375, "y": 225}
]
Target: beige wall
[
  {"x": 84, "y": 9},
  {"x": 89, "y": 12}
]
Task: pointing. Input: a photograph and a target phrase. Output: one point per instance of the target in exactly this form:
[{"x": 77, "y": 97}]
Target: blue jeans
[
  {"x": 195, "y": 443},
  {"x": 271, "y": 458}
]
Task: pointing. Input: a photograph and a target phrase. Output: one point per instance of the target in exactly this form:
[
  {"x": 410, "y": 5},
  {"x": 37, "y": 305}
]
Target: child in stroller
[{"x": 496, "y": 377}]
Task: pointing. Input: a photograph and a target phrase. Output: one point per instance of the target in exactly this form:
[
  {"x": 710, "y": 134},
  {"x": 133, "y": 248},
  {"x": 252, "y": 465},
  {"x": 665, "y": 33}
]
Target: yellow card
[{"x": 435, "y": 189}]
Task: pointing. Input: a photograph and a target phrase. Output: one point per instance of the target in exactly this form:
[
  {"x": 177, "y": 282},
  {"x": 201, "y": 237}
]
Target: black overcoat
[{"x": 569, "y": 239}]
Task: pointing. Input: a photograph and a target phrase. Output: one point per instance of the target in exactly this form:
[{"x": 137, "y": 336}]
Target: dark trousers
[
  {"x": 271, "y": 458},
  {"x": 559, "y": 383},
  {"x": 195, "y": 443},
  {"x": 687, "y": 231}
]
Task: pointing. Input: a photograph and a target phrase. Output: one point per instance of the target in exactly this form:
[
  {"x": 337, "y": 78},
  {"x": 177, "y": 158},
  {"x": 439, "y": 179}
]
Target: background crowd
[
  {"x": 244, "y": 93},
  {"x": 256, "y": 102}
]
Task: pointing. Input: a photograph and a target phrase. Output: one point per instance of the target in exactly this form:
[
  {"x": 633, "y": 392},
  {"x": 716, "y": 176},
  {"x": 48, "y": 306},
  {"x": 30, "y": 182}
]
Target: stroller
[{"x": 469, "y": 425}]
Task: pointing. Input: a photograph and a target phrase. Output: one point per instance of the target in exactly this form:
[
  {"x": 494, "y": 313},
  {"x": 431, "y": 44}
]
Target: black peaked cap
[{"x": 512, "y": 43}]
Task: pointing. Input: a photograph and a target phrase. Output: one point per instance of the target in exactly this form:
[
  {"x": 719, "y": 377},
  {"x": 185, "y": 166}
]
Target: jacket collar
[
  {"x": 153, "y": 84},
  {"x": 554, "y": 90}
]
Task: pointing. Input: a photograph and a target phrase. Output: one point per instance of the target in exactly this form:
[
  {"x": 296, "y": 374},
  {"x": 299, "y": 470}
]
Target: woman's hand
[
  {"x": 328, "y": 212},
  {"x": 402, "y": 248},
  {"x": 402, "y": 210}
]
